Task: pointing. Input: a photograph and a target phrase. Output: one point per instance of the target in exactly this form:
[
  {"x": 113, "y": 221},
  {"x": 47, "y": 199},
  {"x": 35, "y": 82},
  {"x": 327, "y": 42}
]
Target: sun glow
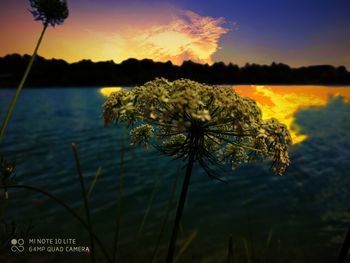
[
  {"x": 282, "y": 102},
  {"x": 106, "y": 91},
  {"x": 162, "y": 34}
]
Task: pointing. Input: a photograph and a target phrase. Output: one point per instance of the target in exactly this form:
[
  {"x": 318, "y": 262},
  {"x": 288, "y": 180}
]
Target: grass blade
[
  {"x": 91, "y": 188},
  {"x": 247, "y": 251},
  {"x": 86, "y": 203},
  {"x": 269, "y": 238},
  {"x": 144, "y": 219},
  {"x": 166, "y": 218},
  {"x": 120, "y": 199},
  {"x": 145, "y": 216},
  {"x": 186, "y": 245},
  {"x": 345, "y": 248},
  {"x": 268, "y": 244},
  {"x": 67, "y": 208},
  {"x": 94, "y": 181},
  {"x": 230, "y": 250},
  {"x": 279, "y": 244}
]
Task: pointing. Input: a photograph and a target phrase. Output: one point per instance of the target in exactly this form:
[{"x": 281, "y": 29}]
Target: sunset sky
[{"x": 295, "y": 32}]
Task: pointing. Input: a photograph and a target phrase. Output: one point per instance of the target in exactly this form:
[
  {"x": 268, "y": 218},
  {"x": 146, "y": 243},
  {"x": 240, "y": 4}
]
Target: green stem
[
  {"x": 181, "y": 204},
  {"x": 19, "y": 88},
  {"x": 148, "y": 209},
  {"x": 173, "y": 192},
  {"x": 120, "y": 203},
  {"x": 86, "y": 203},
  {"x": 70, "y": 210},
  {"x": 185, "y": 246},
  {"x": 345, "y": 248},
  {"x": 230, "y": 250}
]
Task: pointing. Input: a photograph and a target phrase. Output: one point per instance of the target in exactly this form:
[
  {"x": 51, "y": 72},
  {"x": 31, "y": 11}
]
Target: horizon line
[{"x": 185, "y": 61}]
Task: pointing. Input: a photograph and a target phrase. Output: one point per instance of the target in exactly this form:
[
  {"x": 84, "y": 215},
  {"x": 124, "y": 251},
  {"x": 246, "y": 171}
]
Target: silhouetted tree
[{"x": 57, "y": 72}]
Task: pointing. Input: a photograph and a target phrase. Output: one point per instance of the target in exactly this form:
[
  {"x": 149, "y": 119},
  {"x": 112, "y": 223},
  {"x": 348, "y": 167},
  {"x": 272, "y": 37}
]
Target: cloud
[
  {"x": 186, "y": 36},
  {"x": 162, "y": 34}
]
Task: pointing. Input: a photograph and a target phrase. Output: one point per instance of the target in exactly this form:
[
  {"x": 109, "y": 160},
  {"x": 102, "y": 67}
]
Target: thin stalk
[
  {"x": 70, "y": 210},
  {"x": 268, "y": 244},
  {"x": 345, "y": 248},
  {"x": 183, "y": 235},
  {"x": 139, "y": 234},
  {"x": 166, "y": 216},
  {"x": 148, "y": 209},
  {"x": 230, "y": 250},
  {"x": 248, "y": 252},
  {"x": 185, "y": 246},
  {"x": 86, "y": 203},
  {"x": 94, "y": 181},
  {"x": 19, "y": 88},
  {"x": 91, "y": 188},
  {"x": 119, "y": 209},
  {"x": 181, "y": 204}
]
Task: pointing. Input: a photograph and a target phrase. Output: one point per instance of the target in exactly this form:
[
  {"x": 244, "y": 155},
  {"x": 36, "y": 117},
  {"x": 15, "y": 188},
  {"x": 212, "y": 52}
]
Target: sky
[{"x": 294, "y": 32}]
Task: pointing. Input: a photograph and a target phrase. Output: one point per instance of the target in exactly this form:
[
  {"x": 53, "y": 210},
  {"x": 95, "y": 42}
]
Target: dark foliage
[{"x": 56, "y": 72}]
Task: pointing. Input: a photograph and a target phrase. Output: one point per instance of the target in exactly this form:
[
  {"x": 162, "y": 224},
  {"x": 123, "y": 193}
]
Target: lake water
[{"x": 305, "y": 213}]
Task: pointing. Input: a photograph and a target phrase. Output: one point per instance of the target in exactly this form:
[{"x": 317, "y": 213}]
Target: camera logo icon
[{"x": 17, "y": 245}]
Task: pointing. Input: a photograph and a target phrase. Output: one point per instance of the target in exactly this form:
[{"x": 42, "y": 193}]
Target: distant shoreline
[{"x": 133, "y": 72}]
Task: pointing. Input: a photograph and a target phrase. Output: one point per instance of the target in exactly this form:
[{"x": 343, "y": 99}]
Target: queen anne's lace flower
[
  {"x": 141, "y": 135},
  {"x": 215, "y": 122}
]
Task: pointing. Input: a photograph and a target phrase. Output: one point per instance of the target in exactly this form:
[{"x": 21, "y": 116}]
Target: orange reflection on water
[
  {"x": 108, "y": 90},
  {"x": 282, "y": 102}
]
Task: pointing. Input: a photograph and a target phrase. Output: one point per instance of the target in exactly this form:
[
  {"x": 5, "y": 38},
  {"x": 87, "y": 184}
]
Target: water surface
[{"x": 306, "y": 210}]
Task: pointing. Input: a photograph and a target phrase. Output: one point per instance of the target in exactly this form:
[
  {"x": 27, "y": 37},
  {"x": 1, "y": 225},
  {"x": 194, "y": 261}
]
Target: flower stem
[
  {"x": 230, "y": 251},
  {"x": 19, "y": 88},
  {"x": 86, "y": 203},
  {"x": 168, "y": 210},
  {"x": 120, "y": 202},
  {"x": 345, "y": 248},
  {"x": 68, "y": 209},
  {"x": 181, "y": 204}
]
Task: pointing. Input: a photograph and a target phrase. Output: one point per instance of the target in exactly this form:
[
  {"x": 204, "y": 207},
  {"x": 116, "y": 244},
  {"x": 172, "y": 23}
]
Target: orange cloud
[
  {"x": 163, "y": 33},
  {"x": 187, "y": 36}
]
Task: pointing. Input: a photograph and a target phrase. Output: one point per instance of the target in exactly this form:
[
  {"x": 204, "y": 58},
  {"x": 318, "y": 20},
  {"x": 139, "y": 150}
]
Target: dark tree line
[{"x": 57, "y": 72}]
